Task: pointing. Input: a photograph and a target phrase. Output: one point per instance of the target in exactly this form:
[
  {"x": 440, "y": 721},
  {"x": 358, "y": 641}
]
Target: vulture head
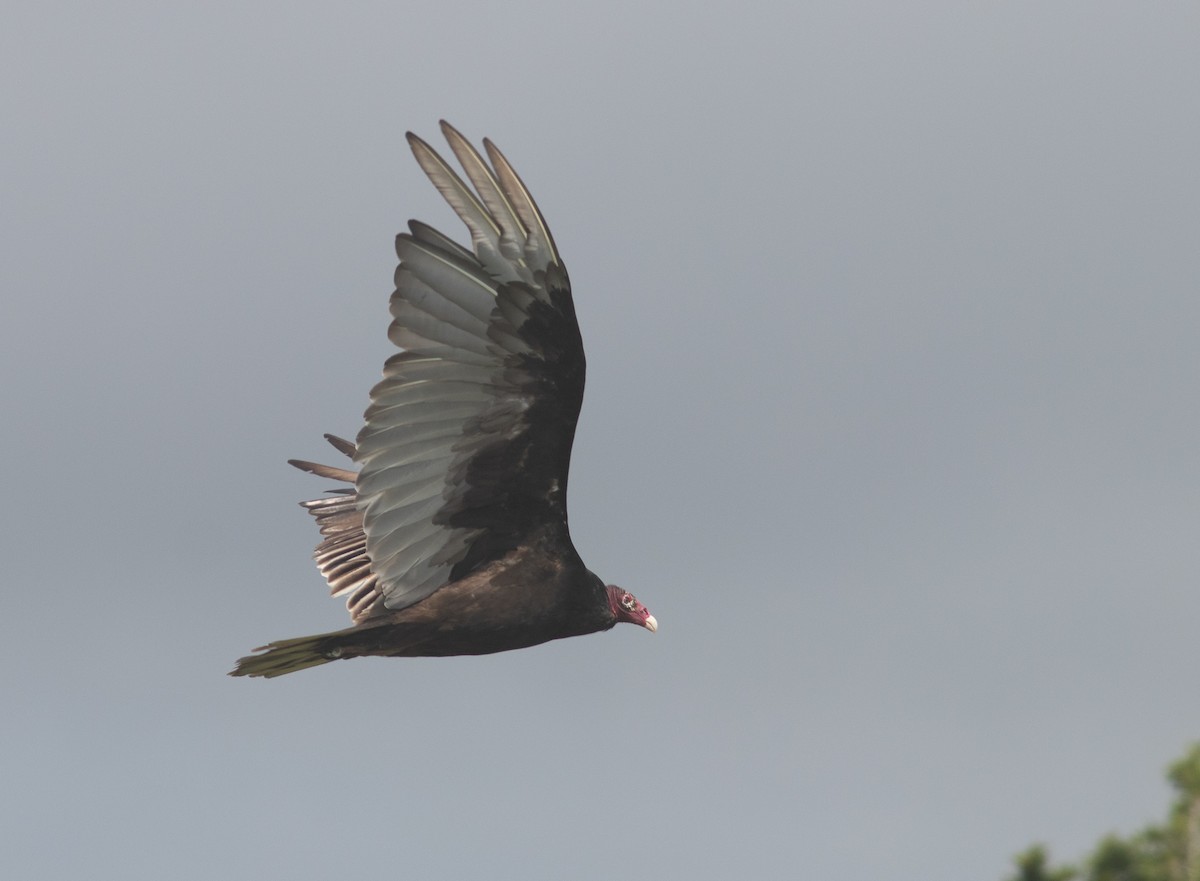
[{"x": 627, "y": 608}]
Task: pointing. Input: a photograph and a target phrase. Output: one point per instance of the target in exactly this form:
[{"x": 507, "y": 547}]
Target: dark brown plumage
[{"x": 452, "y": 538}]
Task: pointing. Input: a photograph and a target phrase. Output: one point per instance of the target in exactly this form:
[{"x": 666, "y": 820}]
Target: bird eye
[{"x": 628, "y": 602}]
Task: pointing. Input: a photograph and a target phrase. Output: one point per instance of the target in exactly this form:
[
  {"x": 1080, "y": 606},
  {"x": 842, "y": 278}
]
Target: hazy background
[{"x": 892, "y": 420}]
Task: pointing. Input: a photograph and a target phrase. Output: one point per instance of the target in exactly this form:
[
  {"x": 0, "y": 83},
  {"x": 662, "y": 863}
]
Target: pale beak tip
[{"x": 651, "y": 624}]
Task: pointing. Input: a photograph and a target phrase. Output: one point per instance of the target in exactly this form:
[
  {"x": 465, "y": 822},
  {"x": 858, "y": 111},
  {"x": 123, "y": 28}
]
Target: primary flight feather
[{"x": 452, "y": 537}]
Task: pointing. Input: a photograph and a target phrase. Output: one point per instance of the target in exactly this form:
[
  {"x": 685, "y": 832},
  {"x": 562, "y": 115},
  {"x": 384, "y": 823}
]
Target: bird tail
[{"x": 290, "y": 655}]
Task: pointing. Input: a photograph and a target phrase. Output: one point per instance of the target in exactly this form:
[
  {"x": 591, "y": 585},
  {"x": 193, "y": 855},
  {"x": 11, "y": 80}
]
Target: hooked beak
[{"x": 650, "y": 624}]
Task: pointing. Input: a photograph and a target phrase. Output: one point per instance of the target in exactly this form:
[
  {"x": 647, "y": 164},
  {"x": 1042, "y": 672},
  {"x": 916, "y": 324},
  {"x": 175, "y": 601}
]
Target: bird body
[{"x": 453, "y": 537}]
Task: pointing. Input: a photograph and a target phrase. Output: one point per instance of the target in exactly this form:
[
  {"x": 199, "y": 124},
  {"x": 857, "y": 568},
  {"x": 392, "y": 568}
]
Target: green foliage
[
  {"x": 1034, "y": 865},
  {"x": 1117, "y": 860},
  {"x": 1185, "y": 774},
  {"x": 1166, "y": 852}
]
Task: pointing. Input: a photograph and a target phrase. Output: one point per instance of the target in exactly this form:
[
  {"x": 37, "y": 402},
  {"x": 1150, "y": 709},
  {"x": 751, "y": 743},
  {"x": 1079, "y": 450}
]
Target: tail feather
[
  {"x": 342, "y": 558},
  {"x": 290, "y": 655}
]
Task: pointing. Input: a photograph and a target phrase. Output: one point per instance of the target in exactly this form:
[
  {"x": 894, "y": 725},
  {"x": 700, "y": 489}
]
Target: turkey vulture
[{"x": 452, "y": 537}]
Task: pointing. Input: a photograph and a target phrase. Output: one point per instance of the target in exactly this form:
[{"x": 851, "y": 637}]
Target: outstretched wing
[{"x": 467, "y": 440}]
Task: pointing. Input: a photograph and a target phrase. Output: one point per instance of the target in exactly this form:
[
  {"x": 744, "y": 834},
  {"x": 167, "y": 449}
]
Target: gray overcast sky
[{"x": 891, "y": 313}]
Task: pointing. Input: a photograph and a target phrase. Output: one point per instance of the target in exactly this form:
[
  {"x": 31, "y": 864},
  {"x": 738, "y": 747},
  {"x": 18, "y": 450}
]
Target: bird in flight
[{"x": 452, "y": 538}]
